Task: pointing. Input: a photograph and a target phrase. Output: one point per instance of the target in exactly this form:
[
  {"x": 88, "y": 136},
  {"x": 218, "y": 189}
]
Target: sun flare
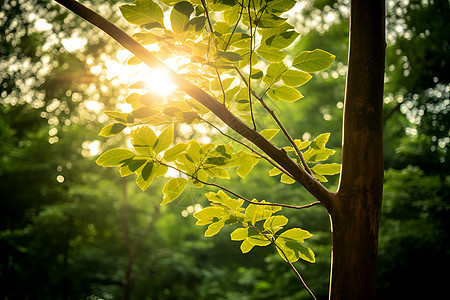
[{"x": 158, "y": 81}]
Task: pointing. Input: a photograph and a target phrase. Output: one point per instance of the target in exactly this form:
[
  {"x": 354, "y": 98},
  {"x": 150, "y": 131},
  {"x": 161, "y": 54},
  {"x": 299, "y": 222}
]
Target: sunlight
[
  {"x": 159, "y": 82},
  {"x": 156, "y": 80}
]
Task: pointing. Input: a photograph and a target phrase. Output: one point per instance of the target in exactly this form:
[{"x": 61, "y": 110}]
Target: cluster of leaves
[
  {"x": 245, "y": 43},
  {"x": 194, "y": 163},
  {"x": 315, "y": 152},
  {"x": 227, "y": 211}
]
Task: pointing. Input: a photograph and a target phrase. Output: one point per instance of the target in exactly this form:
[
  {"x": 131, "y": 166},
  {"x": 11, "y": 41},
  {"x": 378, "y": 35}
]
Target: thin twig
[
  {"x": 250, "y": 66},
  {"x": 280, "y": 125},
  {"x": 296, "y": 272},
  {"x": 234, "y": 28},
  {"x": 211, "y": 31},
  {"x": 235, "y": 194}
]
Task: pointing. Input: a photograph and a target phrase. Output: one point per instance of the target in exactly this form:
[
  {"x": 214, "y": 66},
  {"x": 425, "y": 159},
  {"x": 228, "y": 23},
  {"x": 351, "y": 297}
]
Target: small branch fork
[{"x": 276, "y": 154}]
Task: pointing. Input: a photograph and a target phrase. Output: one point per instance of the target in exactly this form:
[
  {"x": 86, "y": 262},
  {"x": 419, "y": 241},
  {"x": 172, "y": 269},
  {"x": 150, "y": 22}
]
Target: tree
[{"x": 354, "y": 209}]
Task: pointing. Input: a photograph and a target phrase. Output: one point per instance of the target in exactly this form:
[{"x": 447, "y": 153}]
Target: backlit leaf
[
  {"x": 327, "y": 169},
  {"x": 112, "y": 129},
  {"x": 172, "y": 189},
  {"x": 180, "y": 15},
  {"x": 270, "y": 54},
  {"x": 171, "y": 154},
  {"x": 247, "y": 162},
  {"x": 275, "y": 223},
  {"x": 141, "y": 12},
  {"x": 269, "y": 133},
  {"x": 313, "y": 61},
  {"x": 114, "y": 157},
  {"x": 246, "y": 246},
  {"x": 239, "y": 234},
  {"x": 287, "y": 179},
  {"x": 164, "y": 140},
  {"x": 295, "y": 78},
  {"x": 286, "y": 93}
]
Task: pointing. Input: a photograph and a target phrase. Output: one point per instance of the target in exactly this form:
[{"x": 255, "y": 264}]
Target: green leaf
[
  {"x": 114, "y": 157},
  {"x": 282, "y": 40},
  {"x": 320, "y": 141},
  {"x": 214, "y": 228},
  {"x": 246, "y": 246},
  {"x": 285, "y": 93},
  {"x": 209, "y": 214},
  {"x": 217, "y": 172},
  {"x": 112, "y": 129},
  {"x": 269, "y": 133},
  {"x": 144, "y": 112},
  {"x": 143, "y": 139},
  {"x": 172, "y": 189},
  {"x": 296, "y": 234},
  {"x": 270, "y": 54},
  {"x": 142, "y": 12},
  {"x": 247, "y": 162},
  {"x": 257, "y": 212},
  {"x": 179, "y": 16},
  {"x": 230, "y": 56},
  {"x": 193, "y": 151},
  {"x": 239, "y": 234},
  {"x": 125, "y": 170},
  {"x": 273, "y": 72},
  {"x": 287, "y": 179},
  {"x": 290, "y": 242},
  {"x": 280, "y": 6},
  {"x": 327, "y": 169},
  {"x": 257, "y": 239},
  {"x": 135, "y": 164},
  {"x": 275, "y": 223},
  {"x": 295, "y": 78},
  {"x": 294, "y": 250},
  {"x": 196, "y": 24},
  {"x": 133, "y": 98},
  {"x": 164, "y": 140},
  {"x": 275, "y": 172},
  {"x": 171, "y": 154},
  {"x": 145, "y": 176},
  {"x": 120, "y": 116},
  {"x": 147, "y": 170},
  {"x": 313, "y": 61}
]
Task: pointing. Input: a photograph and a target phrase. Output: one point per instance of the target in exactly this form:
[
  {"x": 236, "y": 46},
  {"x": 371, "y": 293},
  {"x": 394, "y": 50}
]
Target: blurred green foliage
[{"x": 71, "y": 230}]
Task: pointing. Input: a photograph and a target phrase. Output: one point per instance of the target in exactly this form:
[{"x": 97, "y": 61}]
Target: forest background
[{"x": 70, "y": 229}]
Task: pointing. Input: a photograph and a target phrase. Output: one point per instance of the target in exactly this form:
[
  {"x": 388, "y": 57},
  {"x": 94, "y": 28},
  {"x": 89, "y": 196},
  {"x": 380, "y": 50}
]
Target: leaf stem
[
  {"x": 250, "y": 66},
  {"x": 211, "y": 31}
]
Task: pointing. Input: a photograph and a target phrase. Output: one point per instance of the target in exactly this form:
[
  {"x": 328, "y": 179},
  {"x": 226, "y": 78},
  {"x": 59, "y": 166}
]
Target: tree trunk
[{"x": 356, "y": 207}]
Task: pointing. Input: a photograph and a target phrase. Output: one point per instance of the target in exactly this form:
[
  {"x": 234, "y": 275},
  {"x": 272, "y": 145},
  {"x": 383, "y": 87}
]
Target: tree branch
[{"x": 217, "y": 108}]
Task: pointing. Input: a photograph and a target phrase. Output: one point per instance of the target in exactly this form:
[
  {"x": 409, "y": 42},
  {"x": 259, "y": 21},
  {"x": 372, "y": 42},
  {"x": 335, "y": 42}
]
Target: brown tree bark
[{"x": 356, "y": 207}]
